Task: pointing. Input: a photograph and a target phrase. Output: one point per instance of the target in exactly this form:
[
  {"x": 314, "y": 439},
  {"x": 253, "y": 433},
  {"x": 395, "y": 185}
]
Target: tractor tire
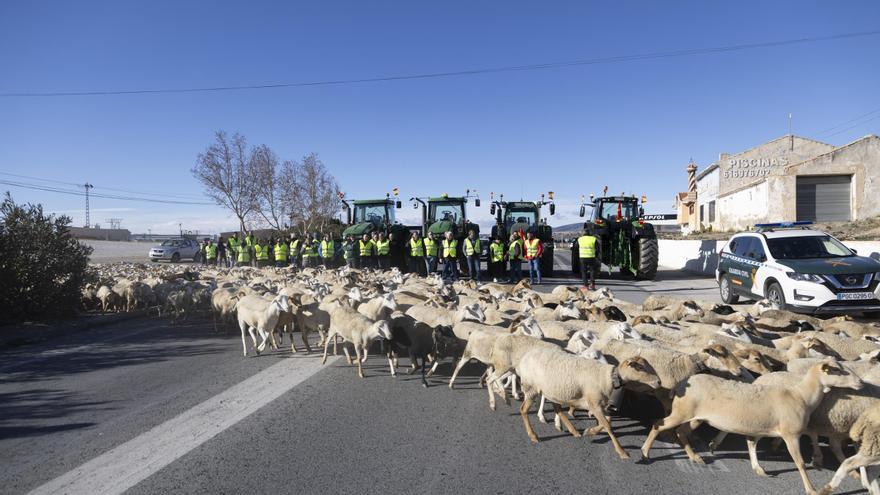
[
  {"x": 547, "y": 262},
  {"x": 575, "y": 261},
  {"x": 649, "y": 257}
]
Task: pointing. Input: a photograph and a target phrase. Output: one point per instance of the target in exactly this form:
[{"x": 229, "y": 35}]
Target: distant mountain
[{"x": 571, "y": 227}]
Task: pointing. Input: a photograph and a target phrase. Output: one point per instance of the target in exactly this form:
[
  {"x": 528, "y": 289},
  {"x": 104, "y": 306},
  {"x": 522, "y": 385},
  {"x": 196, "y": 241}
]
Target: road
[{"x": 147, "y": 406}]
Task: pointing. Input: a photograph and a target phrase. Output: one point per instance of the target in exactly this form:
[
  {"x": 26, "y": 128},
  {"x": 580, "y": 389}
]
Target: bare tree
[
  {"x": 224, "y": 169},
  {"x": 316, "y": 194},
  {"x": 272, "y": 189}
]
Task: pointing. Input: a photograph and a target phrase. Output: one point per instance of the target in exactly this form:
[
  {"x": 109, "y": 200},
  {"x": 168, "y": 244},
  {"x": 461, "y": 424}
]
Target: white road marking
[{"x": 130, "y": 463}]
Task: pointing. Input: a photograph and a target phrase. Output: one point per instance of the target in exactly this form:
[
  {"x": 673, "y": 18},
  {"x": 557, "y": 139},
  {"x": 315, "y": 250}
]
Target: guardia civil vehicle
[{"x": 798, "y": 268}]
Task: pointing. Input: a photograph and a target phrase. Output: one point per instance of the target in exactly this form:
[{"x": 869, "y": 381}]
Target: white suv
[{"x": 800, "y": 269}]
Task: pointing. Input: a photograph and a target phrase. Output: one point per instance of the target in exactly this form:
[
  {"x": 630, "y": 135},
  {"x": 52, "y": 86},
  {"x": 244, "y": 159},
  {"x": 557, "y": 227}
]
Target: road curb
[{"x": 34, "y": 333}]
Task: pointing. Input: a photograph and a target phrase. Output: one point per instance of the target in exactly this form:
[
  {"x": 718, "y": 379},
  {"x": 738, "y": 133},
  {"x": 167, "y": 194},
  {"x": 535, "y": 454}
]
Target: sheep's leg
[
  {"x": 602, "y": 420},
  {"x": 567, "y": 422},
  {"x": 347, "y": 355},
  {"x": 792, "y": 442},
  {"x": 513, "y": 389},
  {"x": 326, "y": 348},
  {"x": 854, "y": 462},
  {"x": 669, "y": 422},
  {"x": 424, "y": 381},
  {"x": 752, "y": 444},
  {"x": 253, "y": 335},
  {"x": 491, "y": 394},
  {"x": 870, "y": 479},
  {"x": 465, "y": 358},
  {"x": 304, "y": 334},
  {"x": 265, "y": 336},
  {"x": 243, "y": 337},
  {"x": 334, "y": 346},
  {"x": 434, "y": 366},
  {"x": 683, "y": 433},
  {"x": 365, "y": 349},
  {"x": 716, "y": 442},
  {"x": 357, "y": 352},
  {"x": 541, "y": 405},
  {"x": 524, "y": 412},
  {"x": 818, "y": 458}
]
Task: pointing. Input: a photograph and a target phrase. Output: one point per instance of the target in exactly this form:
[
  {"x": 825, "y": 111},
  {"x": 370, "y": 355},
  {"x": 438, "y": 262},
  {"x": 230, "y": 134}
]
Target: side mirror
[
  {"x": 853, "y": 251},
  {"x": 552, "y": 208},
  {"x": 397, "y": 204},
  {"x": 583, "y": 210},
  {"x": 492, "y": 209},
  {"x": 477, "y": 202},
  {"x": 641, "y": 211}
]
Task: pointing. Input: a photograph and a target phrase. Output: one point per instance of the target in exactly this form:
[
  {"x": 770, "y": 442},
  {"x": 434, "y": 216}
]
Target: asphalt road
[{"x": 147, "y": 406}]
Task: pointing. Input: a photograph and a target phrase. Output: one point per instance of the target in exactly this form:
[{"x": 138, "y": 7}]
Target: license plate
[{"x": 855, "y": 296}]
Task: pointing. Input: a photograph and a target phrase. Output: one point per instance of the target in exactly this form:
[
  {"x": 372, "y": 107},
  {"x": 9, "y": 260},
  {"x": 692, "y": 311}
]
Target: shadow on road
[{"x": 26, "y": 407}]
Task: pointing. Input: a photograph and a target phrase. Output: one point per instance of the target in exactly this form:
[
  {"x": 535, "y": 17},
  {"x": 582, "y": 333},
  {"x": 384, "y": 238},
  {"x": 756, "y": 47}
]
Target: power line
[
  {"x": 142, "y": 193},
  {"x": 58, "y": 190},
  {"x": 470, "y": 72},
  {"x": 845, "y": 129},
  {"x": 872, "y": 112}
]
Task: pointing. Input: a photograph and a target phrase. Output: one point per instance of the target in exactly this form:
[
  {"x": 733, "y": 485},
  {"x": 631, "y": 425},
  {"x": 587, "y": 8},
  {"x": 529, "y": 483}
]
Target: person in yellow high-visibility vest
[
  {"x": 261, "y": 252},
  {"x": 589, "y": 254},
  {"x": 472, "y": 252},
  {"x": 210, "y": 253},
  {"x": 295, "y": 251},
  {"x": 232, "y": 249},
  {"x": 416, "y": 254},
  {"x": 534, "y": 249},
  {"x": 514, "y": 255},
  {"x": 383, "y": 252},
  {"x": 310, "y": 251},
  {"x": 243, "y": 255},
  {"x": 496, "y": 259},
  {"x": 328, "y": 251},
  {"x": 366, "y": 249},
  {"x": 450, "y": 257},
  {"x": 281, "y": 250},
  {"x": 432, "y": 249}
]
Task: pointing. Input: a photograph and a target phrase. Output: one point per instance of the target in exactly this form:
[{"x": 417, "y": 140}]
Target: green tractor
[
  {"x": 626, "y": 240},
  {"x": 447, "y": 213},
  {"x": 524, "y": 217},
  {"x": 365, "y": 216}
]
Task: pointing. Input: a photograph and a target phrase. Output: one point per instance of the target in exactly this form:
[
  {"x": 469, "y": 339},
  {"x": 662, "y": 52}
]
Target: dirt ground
[{"x": 110, "y": 251}]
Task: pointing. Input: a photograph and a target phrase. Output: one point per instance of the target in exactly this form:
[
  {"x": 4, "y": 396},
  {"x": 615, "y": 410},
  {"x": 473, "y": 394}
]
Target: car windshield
[
  {"x": 172, "y": 243},
  {"x": 608, "y": 210},
  {"x": 375, "y": 214},
  {"x": 807, "y": 247},
  {"x": 452, "y": 212},
  {"x": 526, "y": 217}
]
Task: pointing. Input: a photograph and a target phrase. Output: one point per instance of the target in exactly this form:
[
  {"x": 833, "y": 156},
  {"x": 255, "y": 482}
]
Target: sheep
[
  {"x": 178, "y": 301},
  {"x": 356, "y": 328},
  {"x": 108, "y": 298},
  {"x": 562, "y": 312},
  {"x": 223, "y": 302},
  {"x": 753, "y": 410},
  {"x": 866, "y": 432},
  {"x": 418, "y": 339},
  {"x": 256, "y": 314},
  {"x": 848, "y": 349},
  {"x": 852, "y": 329},
  {"x": 568, "y": 380}
]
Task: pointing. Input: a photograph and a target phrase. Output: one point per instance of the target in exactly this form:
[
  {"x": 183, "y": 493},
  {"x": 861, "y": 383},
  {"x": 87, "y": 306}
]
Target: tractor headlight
[{"x": 804, "y": 277}]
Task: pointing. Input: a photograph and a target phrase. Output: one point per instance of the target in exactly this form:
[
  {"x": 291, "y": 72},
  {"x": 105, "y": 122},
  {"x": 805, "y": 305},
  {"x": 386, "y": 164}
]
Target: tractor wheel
[
  {"x": 575, "y": 261},
  {"x": 649, "y": 256},
  {"x": 547, "y": 262}
]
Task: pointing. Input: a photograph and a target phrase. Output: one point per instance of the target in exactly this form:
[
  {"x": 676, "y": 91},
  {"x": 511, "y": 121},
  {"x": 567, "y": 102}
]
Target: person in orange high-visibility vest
[{"x": 534, "y": 250}]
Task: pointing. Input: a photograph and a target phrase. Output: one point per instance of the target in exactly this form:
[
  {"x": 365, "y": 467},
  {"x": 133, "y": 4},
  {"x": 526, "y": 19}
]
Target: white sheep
[
  {"x": 755, "y": 411},
  {"x": 866, "y": 432},
  {"x": 356, "y": 328},
  {"x": 256, "y": 314}
]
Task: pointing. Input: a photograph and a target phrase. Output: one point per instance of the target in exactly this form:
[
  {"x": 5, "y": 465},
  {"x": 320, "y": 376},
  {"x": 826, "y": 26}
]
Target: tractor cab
[
  {"x": 446, "y": 213},
  {"x": 368, "y": 215},
  {"x": 615, "y": 209}
]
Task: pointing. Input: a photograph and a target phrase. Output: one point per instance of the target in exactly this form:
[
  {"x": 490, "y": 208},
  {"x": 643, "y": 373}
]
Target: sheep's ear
[{"x": 826, "y": 368}]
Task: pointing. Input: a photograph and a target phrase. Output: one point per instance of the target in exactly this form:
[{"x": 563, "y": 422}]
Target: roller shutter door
[{"x": 824, "y": 199}]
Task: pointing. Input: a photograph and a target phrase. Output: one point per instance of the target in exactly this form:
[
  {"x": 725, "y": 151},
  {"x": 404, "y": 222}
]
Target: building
[
  {"x": 787, "y": 179},
  {"x": 100, "y": 234}
]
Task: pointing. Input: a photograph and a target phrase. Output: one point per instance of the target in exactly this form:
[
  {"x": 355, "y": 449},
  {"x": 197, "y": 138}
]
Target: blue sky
[{"x": 631, "y": 126}]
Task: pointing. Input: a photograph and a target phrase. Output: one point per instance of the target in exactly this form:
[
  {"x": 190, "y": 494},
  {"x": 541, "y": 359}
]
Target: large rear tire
[
  {"x": 547, "y": 262},
  {"x": 575, "y": 261},
  {"x": 649, "y": 257}
]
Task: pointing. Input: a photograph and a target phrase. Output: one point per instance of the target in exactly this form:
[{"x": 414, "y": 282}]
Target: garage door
[{"x": 823, "y": 199}]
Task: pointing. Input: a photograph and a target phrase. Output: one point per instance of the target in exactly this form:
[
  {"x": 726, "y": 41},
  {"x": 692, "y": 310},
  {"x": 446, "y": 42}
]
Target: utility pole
[
  {"x": 87, "y": 186},
  {"x": 180, "y": 226},
  {"x": 790, "y": 135}
]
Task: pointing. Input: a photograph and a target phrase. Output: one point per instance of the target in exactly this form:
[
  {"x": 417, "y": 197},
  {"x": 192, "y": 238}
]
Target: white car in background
[{"x": 174, "y": 250}]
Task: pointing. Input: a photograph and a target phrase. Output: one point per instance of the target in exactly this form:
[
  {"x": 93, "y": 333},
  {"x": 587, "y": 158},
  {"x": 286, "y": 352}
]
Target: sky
[{"x": 632, "y": 126}]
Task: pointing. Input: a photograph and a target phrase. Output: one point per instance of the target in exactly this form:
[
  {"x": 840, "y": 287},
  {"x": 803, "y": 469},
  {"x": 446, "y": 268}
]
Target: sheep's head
[
  {"x": 723, "y": 309},
  {"x": 717, "y": 357},
  {"x": 581, "y": 340},
  {"x": 382, "y": 329},
  {"x": 473, "y": 312},
  {"x": 691, "y": 308},
  {"x": 355, "y": 294},
  {"x": 873, "y": 356},
  {"x": 816, "y": 348},
  {"x": 283, "y": 303},
  {"x": 445, "y": 341},
  {"x": 593, "y": 355},
  {"x": 762, "y": 307},
  {"x": 638, "y": 373},
  {"x": 874, "y": 339},
  {"x": 529, "y": 326},
  {"x": 753, "y": 361},
  {"x": 832, "y": 374},
  {"x": 389, "y": 302},
  {"x": 568, "y": 311},
  {"x": 623, "y": 331},
  {"x": 735, "y": 331},
  {"x": 613, "y": 313}
]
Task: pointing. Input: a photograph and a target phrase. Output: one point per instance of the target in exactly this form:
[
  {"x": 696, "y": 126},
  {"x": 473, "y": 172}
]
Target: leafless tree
[
  {"x": 224, "y": 169},
  {"x": 273, "y": 192},
  {"x": 316, "y": 194}
]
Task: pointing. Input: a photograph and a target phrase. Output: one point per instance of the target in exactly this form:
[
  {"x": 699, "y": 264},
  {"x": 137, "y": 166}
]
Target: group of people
[{"x": 422, "y": 255}]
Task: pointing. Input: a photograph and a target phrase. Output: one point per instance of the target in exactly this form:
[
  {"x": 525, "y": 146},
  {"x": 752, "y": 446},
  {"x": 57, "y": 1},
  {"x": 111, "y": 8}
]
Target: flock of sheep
[{"x": 757, "y": 371}]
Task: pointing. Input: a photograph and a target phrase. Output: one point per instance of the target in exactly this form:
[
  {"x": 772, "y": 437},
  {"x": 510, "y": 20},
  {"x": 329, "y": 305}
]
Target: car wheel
[
  {"x": 776, "y": 296},
  {"x": 175, "y": 258},
  {"x": 154, "y": 260},
  {"x": 726, "y": 289}
]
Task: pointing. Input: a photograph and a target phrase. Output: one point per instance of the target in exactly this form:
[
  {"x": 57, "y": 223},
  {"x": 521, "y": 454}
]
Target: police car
[{"x": 799, "y": 269}]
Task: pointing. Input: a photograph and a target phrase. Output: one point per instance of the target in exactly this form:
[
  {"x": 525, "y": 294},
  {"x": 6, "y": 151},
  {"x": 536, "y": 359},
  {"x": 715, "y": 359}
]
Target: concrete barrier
[{"x": 701, "y": 257}]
